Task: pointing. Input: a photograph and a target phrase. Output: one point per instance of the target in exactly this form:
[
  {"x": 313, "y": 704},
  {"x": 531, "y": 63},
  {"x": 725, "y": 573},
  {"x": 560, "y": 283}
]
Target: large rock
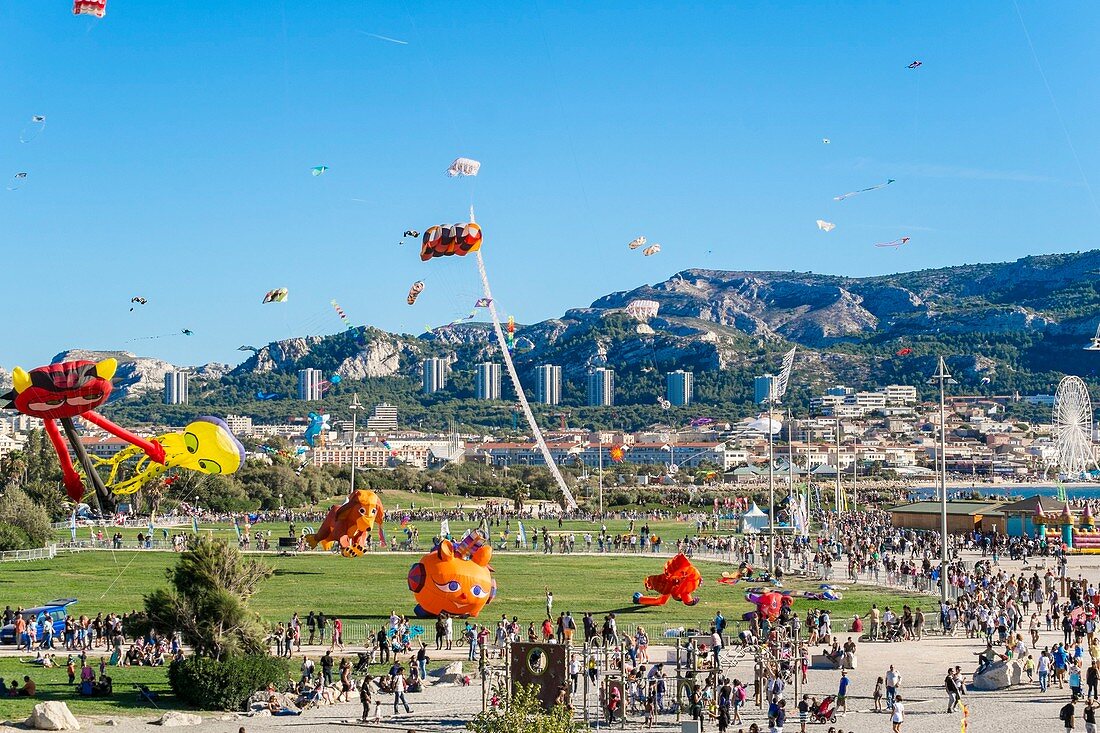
[
  {"x": 997, "y": 677},
  {"x": 452, "y": 674},
  {"x": 53, "y": 715},
  {"x": 1017, "y": 673},
  {"x": 176, "y": 719}
]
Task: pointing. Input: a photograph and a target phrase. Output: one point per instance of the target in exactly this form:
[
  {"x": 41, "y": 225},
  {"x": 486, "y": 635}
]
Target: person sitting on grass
[{"x": 28, "y": 688}]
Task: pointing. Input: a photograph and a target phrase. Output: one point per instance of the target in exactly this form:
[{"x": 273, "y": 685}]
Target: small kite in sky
[
  {"x": 636, "y": 243},
  {"x": 850, "y": 194},
  {"x": 825, "y": 226},
  {"x": 276, "y": 295},
  {"x": 825, "y": 140},
  {"x": 137, "y": 300},
  {"x": 893, "y": 243},
  {"x": 916, "y": 64},
  {"x": 411, "y": 233},
  {"x": 651, "y": 250},
  {"x": 415, "y": 291},
  {"x": 98, "y": 8},
  {"x": 187, "y": 332},
  {"x": 318, "y": 169},
  {"x": 16, "y": 181},
  {"x": 483, "y": 302},
  {"x": 463, "y": 167},
  {"x": 904, "y": 351},
  {"x": 33, "y": 129}
]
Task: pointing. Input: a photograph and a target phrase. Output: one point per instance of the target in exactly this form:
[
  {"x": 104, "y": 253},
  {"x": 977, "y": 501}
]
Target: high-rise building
[
  {"x": 309, "y": 384},
  {"x": 384, "y": 418},
  {"x": 548, "y": 384},
  {"x": 488, "y": 381},
  {"x": 679, "y": 387},
  {"x": 601, "y": 387},
  {"x": 762, "y": 388},
  {"x": 175, "y": 387},
  {"x": 435, "y": 375}
]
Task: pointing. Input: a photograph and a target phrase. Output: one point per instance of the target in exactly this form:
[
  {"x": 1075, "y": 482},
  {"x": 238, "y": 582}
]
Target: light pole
[
  {"x": 355, "y": 407},
  {"x": 943, "y": 377},
  {"x": 771, "y": 489}
]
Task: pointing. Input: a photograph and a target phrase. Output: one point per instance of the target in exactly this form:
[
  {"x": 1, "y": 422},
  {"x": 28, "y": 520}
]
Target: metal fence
[{"x": 41, "y": 553}]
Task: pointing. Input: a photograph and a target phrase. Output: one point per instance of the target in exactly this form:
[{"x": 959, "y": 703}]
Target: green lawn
[{"x": 53, "y": 684}]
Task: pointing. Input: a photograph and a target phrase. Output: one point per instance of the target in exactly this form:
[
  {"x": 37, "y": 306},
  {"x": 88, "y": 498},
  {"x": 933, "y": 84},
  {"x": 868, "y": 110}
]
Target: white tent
[{"x": 753, "y": 521}]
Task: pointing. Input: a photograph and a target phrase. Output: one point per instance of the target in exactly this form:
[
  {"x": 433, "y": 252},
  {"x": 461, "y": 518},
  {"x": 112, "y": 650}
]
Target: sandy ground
[{"x": 922, "y": 664}]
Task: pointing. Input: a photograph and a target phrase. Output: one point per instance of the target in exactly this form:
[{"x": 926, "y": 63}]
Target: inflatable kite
[
  {"x": 450, "y": 239},
  {"x": 98, "y": 8},
  {"x": 317, "y": 424},
  {"x": 651, "y": 250},
  {"x": 205, "y": 445},
  {"x": 679, "y": 580},
  {"x": 64, "y": 391},
  {"x": 415, "y": 291},
  {"x": 769, "y": 603},
  {"x": 138, "y": 301},
  {"x": 276, "y": 295},
  {"x": 463, "y": 167},
  {"x": 349, "y": 525},
  {"x": 455, "y": 578},
  {"x": 636, "y": 243}
]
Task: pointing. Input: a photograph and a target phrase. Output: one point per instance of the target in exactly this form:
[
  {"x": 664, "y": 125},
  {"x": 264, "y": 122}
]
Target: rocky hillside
[{"x": 1007, "y": 326}]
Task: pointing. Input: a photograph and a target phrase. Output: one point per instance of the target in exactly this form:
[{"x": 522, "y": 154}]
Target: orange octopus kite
[
  {"x": 349, "y": 525},
  {"x": 679, "y": 580}
]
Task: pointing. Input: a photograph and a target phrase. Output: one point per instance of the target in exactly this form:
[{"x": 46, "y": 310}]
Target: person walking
[
  {"x": 1066, "y": 714},
  {"x": 899, "y": 714},
  {"x": 893, "y": 679},
  {"x": 1089, "y": 716},
  {"x": 399, "y": 687},
  {"x": 952, "y": 691},
  {"x": 365, "y": 694},
  {"x": 842, "y": 692},
  {"x": 1092, "y": 677}
]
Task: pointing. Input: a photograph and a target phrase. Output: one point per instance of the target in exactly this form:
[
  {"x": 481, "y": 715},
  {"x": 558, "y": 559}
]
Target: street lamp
[
  {"x": 943, "y": 377},
  {"x": 355, "y": 407}
]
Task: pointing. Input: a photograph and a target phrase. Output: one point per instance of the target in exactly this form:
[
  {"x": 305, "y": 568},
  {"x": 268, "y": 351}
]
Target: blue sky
[{"x": 175, "y": 164}]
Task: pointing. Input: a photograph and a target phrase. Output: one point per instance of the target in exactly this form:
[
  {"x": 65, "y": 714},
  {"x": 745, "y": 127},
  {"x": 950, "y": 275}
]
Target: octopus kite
[
  {"x": 679, "y": 580},
  {"x": 205, "y": 445},
  {"x": 60, "y": 392}
]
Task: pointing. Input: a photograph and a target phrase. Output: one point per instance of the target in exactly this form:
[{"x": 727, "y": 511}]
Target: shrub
[
  {"x": 210, "y": 684},
  {"x": 13, "y": 538}
]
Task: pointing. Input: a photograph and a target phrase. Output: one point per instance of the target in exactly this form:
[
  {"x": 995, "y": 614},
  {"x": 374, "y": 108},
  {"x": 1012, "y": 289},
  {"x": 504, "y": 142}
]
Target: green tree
[
  {"x": 19, "y": 510},
  {"x": 523, "y": 713},
  {"x": 207, "y": 601}
]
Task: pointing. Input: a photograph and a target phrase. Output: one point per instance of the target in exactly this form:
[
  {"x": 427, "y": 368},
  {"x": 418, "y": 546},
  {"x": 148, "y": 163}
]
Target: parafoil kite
[
  {"x": 349, "y": 525},
  {"x": 450, "y": 239},
  {"x": 205, "y": 445},
  {"x": 33, "y": 129},
  {"x": 265, "y": 396},
  {"x": 651, "y": 250},
  {"x": 617, "y": 453},
  {"x": 318, "y": 169},
  {"x": 916, "y": 64},
  {"x": 904, "y": 351},
  {"x": 463, "y": 167},
  {"x": 411, "y": 233},
  {"x": 636, "y": 243},
  {"x": 98, "y": 8},
  {"x": 66, "y": 390},
  {"x": 187, "y": 332},
  {"x": 483, "y": 302},
  {"x": 678, "y": 581},
  {"x": 336, "y": 379},
  {"x": 850, "y": 194},
  {"x": 415, "y": 291},
  {"x": 138, "y": 301},
  {"x": 894, "y": 243},
  {"x": 16, "y": 181},
  {"x": 318, "y": 424},
  {"x": 455, "y": 578},
  {"x": 825, "y": 226},
  {"x": 276, "y": 295}
]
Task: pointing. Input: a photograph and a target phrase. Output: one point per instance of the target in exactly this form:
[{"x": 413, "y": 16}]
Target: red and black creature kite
[{"x": 66, "y": 390}]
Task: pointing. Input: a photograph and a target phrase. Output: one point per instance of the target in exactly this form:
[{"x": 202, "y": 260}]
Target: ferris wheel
[{"x": 1072, "y": 427}]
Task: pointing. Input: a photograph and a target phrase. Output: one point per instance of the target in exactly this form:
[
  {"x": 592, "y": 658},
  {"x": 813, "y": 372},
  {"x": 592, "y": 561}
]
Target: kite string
[
  {"x": 1057, "y": 109},
  {"x": 571, "y": 503}
]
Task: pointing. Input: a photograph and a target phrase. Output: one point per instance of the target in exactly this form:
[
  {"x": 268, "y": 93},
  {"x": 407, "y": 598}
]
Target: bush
[
  {"x": 19, "y": 510},
  {"x": 209, "y": 684},
  {"x": 13, "y": 538}
]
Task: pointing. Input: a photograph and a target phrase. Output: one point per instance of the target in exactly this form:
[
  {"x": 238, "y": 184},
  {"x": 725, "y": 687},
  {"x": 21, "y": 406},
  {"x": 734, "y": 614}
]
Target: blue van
[{"x": 54, "y": 611}]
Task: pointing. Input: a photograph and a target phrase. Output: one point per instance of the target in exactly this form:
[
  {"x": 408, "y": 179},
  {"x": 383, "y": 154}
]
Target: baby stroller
[
  {"x": 826, "y": 711},
  {"x": 363, "y": 665},
  {"x": 891, "y": 632}
]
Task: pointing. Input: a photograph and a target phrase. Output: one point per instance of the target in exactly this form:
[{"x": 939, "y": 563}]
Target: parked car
[{"x": 54, "y": 611}]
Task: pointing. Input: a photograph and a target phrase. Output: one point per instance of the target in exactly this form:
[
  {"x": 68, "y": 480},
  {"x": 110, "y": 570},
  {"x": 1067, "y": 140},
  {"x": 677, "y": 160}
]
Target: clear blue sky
[{"x": 176, "y": 160}]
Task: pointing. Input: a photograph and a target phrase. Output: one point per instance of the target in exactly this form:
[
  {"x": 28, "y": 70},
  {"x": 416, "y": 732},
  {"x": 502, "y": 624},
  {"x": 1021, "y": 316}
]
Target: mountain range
[{"x": 1004, "y": 327}]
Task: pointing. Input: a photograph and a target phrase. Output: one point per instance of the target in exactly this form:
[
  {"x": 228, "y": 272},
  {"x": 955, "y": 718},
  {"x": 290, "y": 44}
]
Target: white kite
[
  {"x": 636, "y": 243},
  {"x": 463, "y": 167},
  {"x": 651, "y": 250},
  {"x": 825, "y": 226}
]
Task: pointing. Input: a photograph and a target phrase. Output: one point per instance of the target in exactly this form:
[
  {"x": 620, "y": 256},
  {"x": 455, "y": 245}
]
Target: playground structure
[{"x": 1078, "y": 536}]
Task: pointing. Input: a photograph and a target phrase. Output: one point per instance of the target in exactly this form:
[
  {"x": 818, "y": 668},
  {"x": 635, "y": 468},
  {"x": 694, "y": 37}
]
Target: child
[
  {"x": 650, "y": 713},
  {"x": 1029, "y": 668},
  {"x": 878, "y": 694},
  {"x": 723, "y": 719}
]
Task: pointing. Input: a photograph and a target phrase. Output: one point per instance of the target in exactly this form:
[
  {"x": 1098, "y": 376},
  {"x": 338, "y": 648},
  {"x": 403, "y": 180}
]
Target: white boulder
[
  {"x": 52, "y": 715},
  {"x": 176, "y": 719}
]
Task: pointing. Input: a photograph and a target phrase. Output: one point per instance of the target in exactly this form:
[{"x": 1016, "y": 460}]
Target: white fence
[{"x": 42, "y": 553}]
